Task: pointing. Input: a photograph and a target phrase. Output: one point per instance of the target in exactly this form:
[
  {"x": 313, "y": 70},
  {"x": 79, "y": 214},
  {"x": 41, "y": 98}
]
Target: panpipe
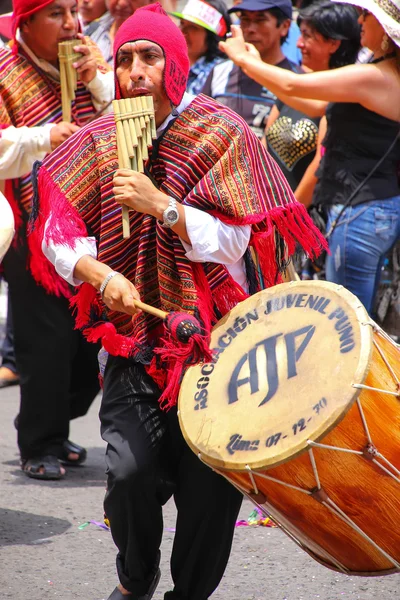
[
  {"x": 136, "y": 128},
  {"x": 68, "y": 75}
]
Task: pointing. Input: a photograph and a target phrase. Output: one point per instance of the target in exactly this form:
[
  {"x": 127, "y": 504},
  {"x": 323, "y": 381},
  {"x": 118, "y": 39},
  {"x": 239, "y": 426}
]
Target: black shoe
[
  {"x": 117, "y": 595},
  {"x": 67, "y": 448}
]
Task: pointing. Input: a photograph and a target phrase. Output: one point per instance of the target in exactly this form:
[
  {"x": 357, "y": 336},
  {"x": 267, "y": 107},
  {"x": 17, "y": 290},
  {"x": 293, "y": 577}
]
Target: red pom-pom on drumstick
[
  {"x": 186, "y": 344},
  {"x": 181, "y": 326}
]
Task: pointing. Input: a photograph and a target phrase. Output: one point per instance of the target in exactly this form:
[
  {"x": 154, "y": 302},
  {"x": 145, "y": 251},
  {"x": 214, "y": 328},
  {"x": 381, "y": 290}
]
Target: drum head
[{"x": 285, "y": 364}]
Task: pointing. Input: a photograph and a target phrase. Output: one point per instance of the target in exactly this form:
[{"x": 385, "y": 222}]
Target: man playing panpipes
[
  {"x": 211, "y": 192},
  {"x": 57, "y": 367}
]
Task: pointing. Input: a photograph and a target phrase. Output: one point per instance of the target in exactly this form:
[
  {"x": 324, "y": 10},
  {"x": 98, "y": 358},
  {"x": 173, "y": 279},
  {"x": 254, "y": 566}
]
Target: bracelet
[{"x": 106, "y": 280}]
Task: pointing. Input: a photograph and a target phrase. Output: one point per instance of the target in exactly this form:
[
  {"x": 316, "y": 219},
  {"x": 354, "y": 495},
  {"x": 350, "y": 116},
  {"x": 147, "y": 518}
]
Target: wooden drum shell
[
  {"x": 340, "y": 504},
  {"x": 368, "y": 495}
]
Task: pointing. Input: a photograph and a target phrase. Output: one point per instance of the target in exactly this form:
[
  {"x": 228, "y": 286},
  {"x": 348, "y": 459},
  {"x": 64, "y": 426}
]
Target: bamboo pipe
[
  {"x": 150, "y": 106},
  {"x": 127, "y": 132},
  {"x": 132, "y": 131},
  {"x": 135, "y": 126},
  {"x": 65, "y": 100},
  {"x": 68, "y": 75},
  {"x": 124, "y": 162},
  {"x": 139, "y": 153},
  {"x": 147, "y": 119}
]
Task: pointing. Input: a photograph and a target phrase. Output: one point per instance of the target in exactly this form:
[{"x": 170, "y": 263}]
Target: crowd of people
[{"x": 281, "y": 136}]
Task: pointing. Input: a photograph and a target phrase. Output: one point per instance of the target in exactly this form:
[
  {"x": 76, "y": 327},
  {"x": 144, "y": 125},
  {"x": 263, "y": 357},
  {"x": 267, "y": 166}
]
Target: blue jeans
[{"x": 359, "y": 243}]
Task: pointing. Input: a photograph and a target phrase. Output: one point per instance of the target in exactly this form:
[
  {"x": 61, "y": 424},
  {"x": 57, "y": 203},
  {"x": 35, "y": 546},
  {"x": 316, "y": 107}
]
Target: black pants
[
  {"x": 148, "y": 461},
  {"x": 58, "y": 369},
  {"x": 7, "y": 350}
]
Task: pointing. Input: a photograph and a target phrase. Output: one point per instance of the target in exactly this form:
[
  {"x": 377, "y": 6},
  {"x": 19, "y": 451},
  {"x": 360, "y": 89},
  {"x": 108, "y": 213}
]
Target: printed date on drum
[
  {"x": 238, "y": 444},
  {"x": 300, "y": 425}
]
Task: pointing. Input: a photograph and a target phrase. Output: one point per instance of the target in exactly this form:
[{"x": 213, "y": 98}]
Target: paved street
[{"x": 45, "y": 555}]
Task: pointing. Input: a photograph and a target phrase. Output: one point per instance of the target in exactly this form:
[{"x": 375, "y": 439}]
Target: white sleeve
[
  {"x": 20, "y": 147},
  {"x": 212, "y": 240},
  {"x": 65, "y": 258},
  {"x": 102, "y": 90}
]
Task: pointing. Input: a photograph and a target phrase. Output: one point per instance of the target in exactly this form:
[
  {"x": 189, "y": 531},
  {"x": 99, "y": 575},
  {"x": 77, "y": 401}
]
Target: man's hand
[
  {"x": 236, "y": 48},
  {"x": 86, "y": 66},
  {"x": 120, "y": 294},
  {"x": 61, "y": 132},
  {"x": 137, "y": 191}
]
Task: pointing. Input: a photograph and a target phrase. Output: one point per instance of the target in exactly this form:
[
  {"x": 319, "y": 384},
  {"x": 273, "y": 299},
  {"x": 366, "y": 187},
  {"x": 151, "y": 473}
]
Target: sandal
[
  {"x": 118, "y": 595},
  {"x": 50, "y": 465},
  {"x": 69, "y": 447}
]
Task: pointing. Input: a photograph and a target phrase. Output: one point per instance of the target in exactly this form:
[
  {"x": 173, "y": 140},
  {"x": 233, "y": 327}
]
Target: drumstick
[{"x": 180, "y": 325}]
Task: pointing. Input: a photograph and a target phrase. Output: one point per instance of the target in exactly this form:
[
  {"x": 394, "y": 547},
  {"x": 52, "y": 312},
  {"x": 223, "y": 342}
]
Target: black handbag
[{"x": 319, "y": 217}]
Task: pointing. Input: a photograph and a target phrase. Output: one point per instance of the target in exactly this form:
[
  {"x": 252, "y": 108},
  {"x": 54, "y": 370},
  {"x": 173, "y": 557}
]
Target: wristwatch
[{"x": 170, "y": 214}]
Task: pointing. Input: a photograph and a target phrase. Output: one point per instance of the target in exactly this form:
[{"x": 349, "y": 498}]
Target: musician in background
[
  {"x": 97, "y": 21},
  {"x": 91, "y": 11},
  {"x": 211, "y": 190},
  {"x": 57, "y": 367},
  {"x": 103, "y": 30}
]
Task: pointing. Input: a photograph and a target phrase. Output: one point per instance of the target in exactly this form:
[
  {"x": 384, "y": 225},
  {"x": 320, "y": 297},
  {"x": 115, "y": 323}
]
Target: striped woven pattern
[
  {"x": 209, "y": 159},
  {"x": 31, "y": 98}
]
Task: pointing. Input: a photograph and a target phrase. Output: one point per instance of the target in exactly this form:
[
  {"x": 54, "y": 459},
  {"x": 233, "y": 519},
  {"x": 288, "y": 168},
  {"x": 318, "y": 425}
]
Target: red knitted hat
[
  {"x": 22, "y": 9},
  {"x": 153, "y": 24}
]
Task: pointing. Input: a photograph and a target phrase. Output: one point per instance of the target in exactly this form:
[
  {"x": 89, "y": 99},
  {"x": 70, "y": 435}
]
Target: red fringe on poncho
[{"x": 210, "y": 160}]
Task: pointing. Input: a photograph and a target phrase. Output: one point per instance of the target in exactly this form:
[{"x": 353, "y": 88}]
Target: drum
[
  {"x": 300, "y": 410},
  {"x": 6, "y": 226}
]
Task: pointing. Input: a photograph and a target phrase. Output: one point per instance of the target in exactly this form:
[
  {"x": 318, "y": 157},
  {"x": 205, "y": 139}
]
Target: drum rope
[
  {"x": 378, "y": 464},
  {"x": 361, "y": 386},
  {"x": 314, "y": 468},
  {"x": 273, "y": 515},
  {"x": 289, "y": 485},
  {"x": 360, "y": 453},
  {"x": 393, "y": 374},
  {"x": 373, "y": 449},
  {"x": 364, "y": 421},
  {"x": 334, "y": 508},
  {"x": 324, "y": 553},
  {"x": 253, "y": 481},
  {"x": 317, "y": 445}
]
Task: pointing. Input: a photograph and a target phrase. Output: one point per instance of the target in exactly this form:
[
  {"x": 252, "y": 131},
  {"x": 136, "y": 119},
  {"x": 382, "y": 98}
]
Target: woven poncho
[
  {"x": 210, "y": 160},
  {"x": 32, "y": 98}
]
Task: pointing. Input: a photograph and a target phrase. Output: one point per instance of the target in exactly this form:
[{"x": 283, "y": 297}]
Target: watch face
[{"x": 172, "y": 216}]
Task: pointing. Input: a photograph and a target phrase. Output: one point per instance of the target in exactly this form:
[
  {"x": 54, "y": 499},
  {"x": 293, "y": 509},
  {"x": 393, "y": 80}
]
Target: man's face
[
  {"x": 123, "y": 9},
  {"x": 91, "y": 9},
  {"x": 54, "y": 23},
  {"x": 140, "y": 70},
  {"x": 261, "y": 29}
]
